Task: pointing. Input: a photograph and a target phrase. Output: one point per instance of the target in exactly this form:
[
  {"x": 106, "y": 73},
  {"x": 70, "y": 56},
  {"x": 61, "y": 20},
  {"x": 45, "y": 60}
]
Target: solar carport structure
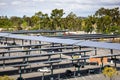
[
  {"x": 64, "y": 41},
  {"x": 79, "y": 43}
]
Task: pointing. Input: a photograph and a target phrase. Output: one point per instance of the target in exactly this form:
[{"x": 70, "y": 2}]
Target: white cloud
[
  {"x": 78, "y": 7},
  {"x": 3, "y": 4},
  {"x": 16, "y": 2},
  {"x": 38, "y": 0}
]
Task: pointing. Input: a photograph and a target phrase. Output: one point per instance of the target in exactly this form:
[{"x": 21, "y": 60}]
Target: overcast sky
[{"x": 29, "y": 7}]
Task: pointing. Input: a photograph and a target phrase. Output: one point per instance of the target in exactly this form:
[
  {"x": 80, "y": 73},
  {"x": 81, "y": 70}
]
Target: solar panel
[
  {"x": 62, "y": 60},
  {"x": 39, "y": 55},
  {"x": 36, "y": 31},
  {"x": 64, "y": 41},
  {"x": 37, "y": 49},
  {"x": 86, "y": 36},
  {"x": 16, "y": 46}
]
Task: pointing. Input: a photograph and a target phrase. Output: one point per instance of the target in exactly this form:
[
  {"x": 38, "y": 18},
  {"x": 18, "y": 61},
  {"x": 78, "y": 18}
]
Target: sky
[{"x": 82, "y": 8}]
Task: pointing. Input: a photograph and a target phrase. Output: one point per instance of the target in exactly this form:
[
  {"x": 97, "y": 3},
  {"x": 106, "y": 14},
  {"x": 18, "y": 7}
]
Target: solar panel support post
[
  {"x": 115, "y": 62},
  {"x": 49, "y": 57},
  {"x": 22, "y": 42},
  {"x": 9, "y": 52},
  {"x": 24, "y": 62},
  {"x": 3, "y": 54},
  {"x": 43, "y": 76},
  {"x": 27, "y": 54},
  {"x": 61, "y": 48},
  {"x": 40, "y": 46},
  {"x": 60, "y": 56},
  {"x": 30, "y": 42},
  {"x": 72, "y": 47},
  {"x": 51, "y": 67},
  {"x": 95, "y": 51},
  {"x": 30, "y": 69},
  {"x": 60, "y": 51},
  {"x": 78, "y": 67},
  {"x": 111, "y": 50},
  {"x": 53, "y": 44},
  {"x": 84, "y": 56},
  {"x": 6, "y": 41},
  {"x": 58, "y": 73},
  {"x": 20, "y": 72},
  {"x": 72, "y": 57},
  {"x": 101, "y": 64},
  {"x": 80, "y": 47},
  {"x": 3, "y": 64},
  {"x": 13, "y": 40}
]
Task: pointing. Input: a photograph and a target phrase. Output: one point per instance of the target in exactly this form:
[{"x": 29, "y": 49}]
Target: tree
[
  {"x": 89, "y": 24},
  {"x": 16, "y": 22},
  {"x": 56, "y": 17},
  {"x": 107, "y": 19},
  {"x": 71, "y": 20},
  {"x": 45, "y": 21},
  {"x": 26, "y": 22},
  {"x": 5, "y": 22}
]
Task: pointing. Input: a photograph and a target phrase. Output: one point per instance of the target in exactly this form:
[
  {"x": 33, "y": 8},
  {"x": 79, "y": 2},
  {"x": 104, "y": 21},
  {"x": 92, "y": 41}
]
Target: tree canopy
[{"x": 103, "y": 21}]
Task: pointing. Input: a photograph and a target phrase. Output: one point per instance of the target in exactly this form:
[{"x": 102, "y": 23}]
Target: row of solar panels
[
  {"x": 38, "y": 49},
  {"x": 64, "y": 41},
  {"x": 39, "y": 55},
  {"x": 56, "y": 61},
  {"x": 20, "y": 46},
  {"x": 86, "y": 36},
  {"x": 36, "y": 31}
]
